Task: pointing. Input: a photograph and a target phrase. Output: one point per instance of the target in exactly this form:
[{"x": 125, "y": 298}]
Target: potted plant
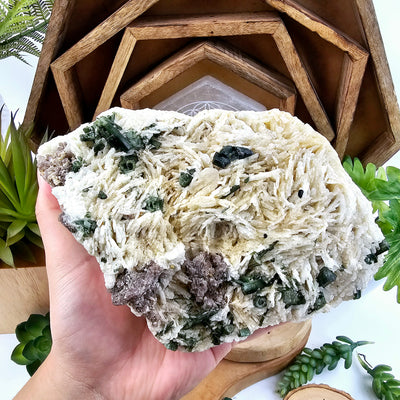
[
  {"x": 24, "y": 288},
  {"x": 23, "y": 281}
]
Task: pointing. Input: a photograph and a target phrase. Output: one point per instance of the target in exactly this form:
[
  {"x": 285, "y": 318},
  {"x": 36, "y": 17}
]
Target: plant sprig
[
  {"x": 23, "y": 24},
  {"x": 384, "y": 384},
  {"x": 382, "y": 188},
  {"x": 312, "y": 362}
]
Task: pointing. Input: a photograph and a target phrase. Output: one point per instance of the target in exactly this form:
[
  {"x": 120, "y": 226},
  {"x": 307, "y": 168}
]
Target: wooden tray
[
  {"x": 24, "y": 290},
  {"x": 279, "y": 347},
  {"x": 97, "y": 54}
]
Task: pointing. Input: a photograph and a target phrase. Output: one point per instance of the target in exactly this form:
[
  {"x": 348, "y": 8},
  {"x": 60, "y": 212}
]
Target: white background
[{"x": 375, "y": 317}]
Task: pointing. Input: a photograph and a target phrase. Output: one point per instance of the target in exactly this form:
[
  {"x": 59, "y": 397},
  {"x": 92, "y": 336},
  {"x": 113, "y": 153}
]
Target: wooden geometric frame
[
  {"x": 373, "y": 140},
  {"x": 193, "y": 26},
  {"x": 63, "y": 67},
  {"x": 267, "y": 23},
  {"x": 353, "y": 68},
  {"x": 352, "y": 73},
  {"x": 272, "y": 82}
]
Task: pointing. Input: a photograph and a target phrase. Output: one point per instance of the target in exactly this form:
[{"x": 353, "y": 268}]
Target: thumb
[{"x": 60, "y": 246}]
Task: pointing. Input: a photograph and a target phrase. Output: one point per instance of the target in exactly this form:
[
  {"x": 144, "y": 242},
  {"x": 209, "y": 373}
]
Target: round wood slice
[
  {"x": 230, "y": 377},
  {"x": 317, "y": 392},
  {"x": 274, "y": 343}
]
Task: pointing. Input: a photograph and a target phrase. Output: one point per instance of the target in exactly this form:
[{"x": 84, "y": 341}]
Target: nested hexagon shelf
[
  {"x": 278, "y": 86},
  {"x": 322, "y": 61}
]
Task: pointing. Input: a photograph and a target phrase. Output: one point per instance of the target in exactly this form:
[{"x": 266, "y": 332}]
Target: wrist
[{"x": 52, "y": 381}]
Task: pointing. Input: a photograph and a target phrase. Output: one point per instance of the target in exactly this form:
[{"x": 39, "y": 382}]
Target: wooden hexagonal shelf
[
  {"x": 95, "y": 56},
  {"x": 279, "y": 87}
]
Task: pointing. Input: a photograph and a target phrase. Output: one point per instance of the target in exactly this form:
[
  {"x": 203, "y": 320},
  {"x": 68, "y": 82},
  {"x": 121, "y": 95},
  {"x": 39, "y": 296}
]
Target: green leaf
[
  {"x": 3, "y": 228},
  {"x": 33, "y": 238},
  {"x": 18, "y": 357},
  {"x": 345, "y": 339},
  {"x": 6, "y": 254},
  {"x": 23, "y": 167},
  {"x": 22, "y": 334},
  {"x": 30, "y": 200},
  {"x": 22, "y": 25},
  {"x": 47, "y": 332},
  {"x": 18, "y": 159},
  {"x": 4, "y": 212},
  {"x": 7, "y": 186},
  {"x": 384, "y": 385},
  {"x": 30, "y": 352},
  {"x": 36, "y": 323},
  {"x": 4, "y": 201},
  {"x": 34, "y": 227},
  {"x": 15, "y": 239},
  {"x": 32, "y": 368},
  {"x": 43, "y": 346},
  {"x": 6, "y": 218},
  {"x": 365, "y": 180},
  {"x": 15, "y": 228},
  {"x": 380, "y": 186}
]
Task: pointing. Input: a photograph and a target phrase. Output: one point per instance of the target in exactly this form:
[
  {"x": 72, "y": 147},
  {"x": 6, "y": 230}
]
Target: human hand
[{"x": 101, "y": 350}]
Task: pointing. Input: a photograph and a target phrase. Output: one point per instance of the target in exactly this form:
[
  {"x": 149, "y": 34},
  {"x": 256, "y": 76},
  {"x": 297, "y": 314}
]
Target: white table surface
[{"x": 375, "y": 317}]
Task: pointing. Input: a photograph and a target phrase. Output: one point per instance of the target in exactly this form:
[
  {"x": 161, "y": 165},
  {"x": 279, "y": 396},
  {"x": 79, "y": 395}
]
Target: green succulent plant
[
  {"x": 23, "y": 24},
  {"x": 312, "y": 362},
  {"x": 382, "y": 188},
  {"x": 18, "y": 193},
  {"x": 384, "y": 384},
  {"x": 35, "y": 342}
]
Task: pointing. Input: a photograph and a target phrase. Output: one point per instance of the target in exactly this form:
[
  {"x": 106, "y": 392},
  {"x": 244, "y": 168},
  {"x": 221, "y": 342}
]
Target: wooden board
[
  {"x": 231, "y": 377},
  {"x": 23, "y": 291},
  {"x": 333, "y": 54},
  {"x": 317, "y": 392},
  {"x": 275, "y": 343}
]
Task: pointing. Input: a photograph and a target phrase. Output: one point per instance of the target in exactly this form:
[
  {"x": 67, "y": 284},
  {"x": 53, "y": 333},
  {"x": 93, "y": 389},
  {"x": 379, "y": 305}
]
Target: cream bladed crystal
[{"x": 276, "y": 234}]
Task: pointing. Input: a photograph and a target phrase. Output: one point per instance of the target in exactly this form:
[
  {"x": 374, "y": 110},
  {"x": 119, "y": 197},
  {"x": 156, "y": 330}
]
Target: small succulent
[
  {"x": 384, "y": 384},
  {"x": 35, "y": 342},
  {"x": 18, "y": 193}
]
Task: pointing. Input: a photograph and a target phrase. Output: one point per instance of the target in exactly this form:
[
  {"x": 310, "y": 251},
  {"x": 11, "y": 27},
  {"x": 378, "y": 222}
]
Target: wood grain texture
[
  {"x": 230, "y": 377},
  {"x": 229, "y": 59},
  {"x": 377, "y": 116},
  {"x": 271, "y": 81},
  {"x": 62, "y": 68},
  {"x": 70, "y": 94},
  {"x": 23, "y": 291},
  {"x": 104, "y": 31},
  {"x": 205, "y": 26},
  {"x": 121, "y": 60},
  {"x": 383, "y": 75},
  {"x": 317, "y": 392},
  {"x": 303, "y": 82},
  {"x": 275, "y": 343},
  {"x": 354, "y": 64},
  {"x": 349, "y": 88},
  {"x": 379, "y": 148},
  {"x": 59, "y": 19},
  {"x": 316, "y": 24},
  {"x": 162, "y": 74}
]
